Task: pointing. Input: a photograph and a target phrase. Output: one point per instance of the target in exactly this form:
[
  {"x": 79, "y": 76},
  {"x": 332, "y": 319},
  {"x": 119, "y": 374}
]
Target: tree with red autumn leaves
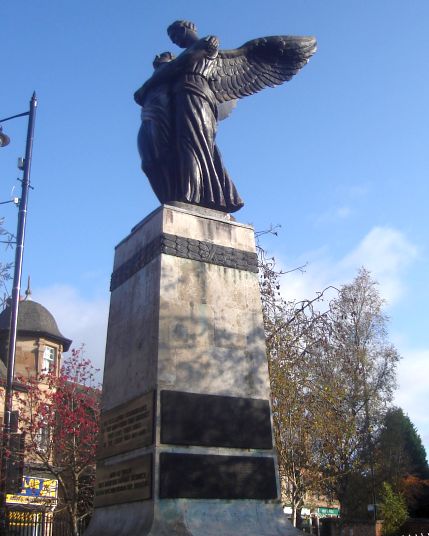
[{"x": 59, "y": 416}]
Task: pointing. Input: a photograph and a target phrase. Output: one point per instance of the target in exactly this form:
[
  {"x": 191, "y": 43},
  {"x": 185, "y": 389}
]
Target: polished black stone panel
[
  {"x": 215, "y": 421},
  {"x": 199, "y": 476}
]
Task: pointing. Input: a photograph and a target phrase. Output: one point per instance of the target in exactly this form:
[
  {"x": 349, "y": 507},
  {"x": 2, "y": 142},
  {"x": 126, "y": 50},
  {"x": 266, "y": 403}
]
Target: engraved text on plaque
[
  {"x": 124, "y": 482},
  {"x": 127, "y": 427}
]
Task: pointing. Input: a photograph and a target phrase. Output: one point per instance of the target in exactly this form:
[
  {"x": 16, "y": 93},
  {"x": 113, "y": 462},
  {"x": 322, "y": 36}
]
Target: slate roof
[{"x": 34, "y": 319}]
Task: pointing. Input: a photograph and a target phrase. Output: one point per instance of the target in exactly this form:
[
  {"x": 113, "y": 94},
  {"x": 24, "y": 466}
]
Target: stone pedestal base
[
  {"x": 186, "y": 444},
  {"x": 194, "y": 518}
]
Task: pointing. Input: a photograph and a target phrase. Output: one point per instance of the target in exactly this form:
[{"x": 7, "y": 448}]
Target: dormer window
[{"x": 49, "y": 355}]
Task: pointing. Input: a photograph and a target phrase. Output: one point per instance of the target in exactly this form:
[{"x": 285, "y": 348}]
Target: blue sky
[{"x": 338, "y": 156}]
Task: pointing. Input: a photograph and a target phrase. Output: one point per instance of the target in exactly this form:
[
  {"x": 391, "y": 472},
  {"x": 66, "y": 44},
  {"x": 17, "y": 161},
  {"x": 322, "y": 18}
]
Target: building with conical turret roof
[
  {"x": 39, "y": 343},
  {"x": 39, "y": 348}
]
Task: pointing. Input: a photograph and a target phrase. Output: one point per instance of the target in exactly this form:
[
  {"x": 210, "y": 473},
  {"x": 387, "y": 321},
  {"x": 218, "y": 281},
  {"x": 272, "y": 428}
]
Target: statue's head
[
  {"x": 164, "y": 57},
  {"x": 183, "y": 33}
]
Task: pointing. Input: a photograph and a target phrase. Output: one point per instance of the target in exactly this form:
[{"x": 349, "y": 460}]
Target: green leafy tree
[
  {"x": 393, "y": 510},
  {"x": 294, "y": 331},
  {"x": 358, "y": 367},
  {"x": 401, "y": 459},
  {"x": 296, "y": 406},
  {"x": 332, "y": 372},
  {"x": 400, "y": 448}
]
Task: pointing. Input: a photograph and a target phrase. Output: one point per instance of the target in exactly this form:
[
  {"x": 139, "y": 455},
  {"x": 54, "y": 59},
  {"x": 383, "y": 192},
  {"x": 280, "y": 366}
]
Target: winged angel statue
[{"x": 186, "y": 97}]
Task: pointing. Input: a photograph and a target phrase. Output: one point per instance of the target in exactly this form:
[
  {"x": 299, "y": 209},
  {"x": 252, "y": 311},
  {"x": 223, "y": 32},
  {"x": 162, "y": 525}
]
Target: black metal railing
[
  {"x": 24, "y": 523},
  {"x": 416, "y": 534}
]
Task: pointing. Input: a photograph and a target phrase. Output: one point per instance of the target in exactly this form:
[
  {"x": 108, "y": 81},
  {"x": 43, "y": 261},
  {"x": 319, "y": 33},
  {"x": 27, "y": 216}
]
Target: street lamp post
[{"x": 16, "y": 287}]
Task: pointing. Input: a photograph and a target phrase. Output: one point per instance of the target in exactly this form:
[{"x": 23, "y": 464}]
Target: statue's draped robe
[
  {"x": 202, "y": 178},
  {"x": 177, "y": 145},
  {"x": 155, "y": 142}
]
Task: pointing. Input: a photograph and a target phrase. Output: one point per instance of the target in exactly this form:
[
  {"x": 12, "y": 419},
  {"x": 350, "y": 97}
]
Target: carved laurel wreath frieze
[{"x": 187, "y": 248}]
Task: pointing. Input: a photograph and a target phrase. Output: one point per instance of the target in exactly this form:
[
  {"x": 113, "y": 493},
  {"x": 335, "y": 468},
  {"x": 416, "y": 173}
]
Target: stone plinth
[{"x": 186, "y": 446}]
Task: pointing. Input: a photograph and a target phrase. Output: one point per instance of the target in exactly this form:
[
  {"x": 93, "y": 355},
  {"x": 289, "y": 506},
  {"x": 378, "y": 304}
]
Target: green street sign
[{"x": 322, "y": 511}]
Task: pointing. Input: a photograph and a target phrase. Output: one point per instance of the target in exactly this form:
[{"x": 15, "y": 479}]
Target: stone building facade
[
  {"x": 39, "y": 344},
  {"x": 39, "y": 348}
]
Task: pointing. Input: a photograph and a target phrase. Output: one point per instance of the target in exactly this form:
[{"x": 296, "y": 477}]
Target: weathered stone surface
[
  {"x": 187, "y": 517},
  {"x": 190, "y": 222},
  {"x": 188, "y": 325}
]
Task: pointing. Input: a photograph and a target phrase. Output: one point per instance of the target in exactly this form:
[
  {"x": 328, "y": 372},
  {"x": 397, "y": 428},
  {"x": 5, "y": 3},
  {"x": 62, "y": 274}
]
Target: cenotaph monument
[{"x": 186, "y": 443}]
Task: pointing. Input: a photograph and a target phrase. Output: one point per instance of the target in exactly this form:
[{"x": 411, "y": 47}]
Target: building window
[
  {"x": 48, "y": 359},
  {"x": 42, "y": 439}
]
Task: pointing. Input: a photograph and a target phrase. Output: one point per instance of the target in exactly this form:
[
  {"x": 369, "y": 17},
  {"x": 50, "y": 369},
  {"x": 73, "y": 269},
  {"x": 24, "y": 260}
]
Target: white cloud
[
  {"x": 413, "y": 392},
  {"x": 358, "y": 190},
  {"x": 319, "y": 273},
  {"x": 385, "y": 251},
  {"x": 330, "y": 216},
  {"x": 343, "y": 212},
  {"x": 82, "y": 319}
]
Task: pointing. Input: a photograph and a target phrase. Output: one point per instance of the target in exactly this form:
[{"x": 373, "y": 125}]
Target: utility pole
[{"x": 16, "y": 288}]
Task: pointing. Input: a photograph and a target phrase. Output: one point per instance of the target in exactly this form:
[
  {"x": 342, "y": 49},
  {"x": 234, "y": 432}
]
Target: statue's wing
[{"x": 260, "y": 63}]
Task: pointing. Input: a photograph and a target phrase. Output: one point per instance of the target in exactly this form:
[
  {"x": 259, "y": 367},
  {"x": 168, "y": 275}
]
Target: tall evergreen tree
[
  {"x": 401, "y": 451},
  {"x": 359, "y": 366},
  {"x": 402, "y": 462}
]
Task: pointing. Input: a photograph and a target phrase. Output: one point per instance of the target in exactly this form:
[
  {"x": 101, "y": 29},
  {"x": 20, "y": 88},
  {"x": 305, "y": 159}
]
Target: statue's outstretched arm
[
  {"x": 207, "y": 47},
  {"x": 163, "y": 74}
]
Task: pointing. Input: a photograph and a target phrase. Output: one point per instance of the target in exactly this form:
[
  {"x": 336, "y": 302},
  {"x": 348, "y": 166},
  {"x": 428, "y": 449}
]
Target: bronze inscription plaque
[
  {"x": 127, "y": 427},
  {"x": 124, "y": 482}
]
